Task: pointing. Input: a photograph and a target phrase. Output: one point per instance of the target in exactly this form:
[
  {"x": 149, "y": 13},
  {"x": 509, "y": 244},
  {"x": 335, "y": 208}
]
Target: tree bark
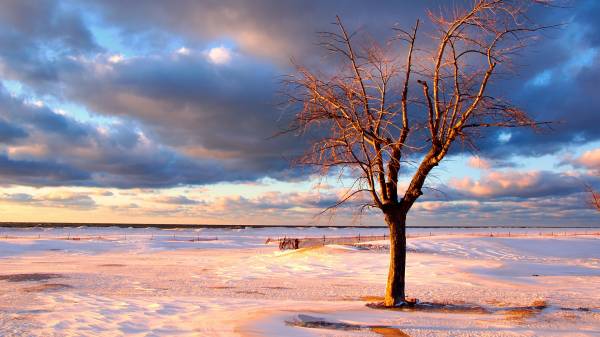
[{"x": 394, "y": 291}]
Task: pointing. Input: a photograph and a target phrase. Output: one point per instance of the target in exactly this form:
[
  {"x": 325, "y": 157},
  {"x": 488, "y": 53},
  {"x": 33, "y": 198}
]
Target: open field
[{"x": 223, "y": 282}]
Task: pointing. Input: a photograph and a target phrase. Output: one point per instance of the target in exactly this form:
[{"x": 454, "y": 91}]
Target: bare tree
[
  {"x": 372, "y": 121},
  {"x": 594, "y": 198}
]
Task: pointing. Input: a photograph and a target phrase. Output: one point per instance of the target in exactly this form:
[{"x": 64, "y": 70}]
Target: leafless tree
[
  {"x": 376, "y": 108},
  {"x": 594, "y": 197}
]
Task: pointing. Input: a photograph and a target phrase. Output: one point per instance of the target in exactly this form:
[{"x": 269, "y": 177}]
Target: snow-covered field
[{"x": 223, "y": 282}]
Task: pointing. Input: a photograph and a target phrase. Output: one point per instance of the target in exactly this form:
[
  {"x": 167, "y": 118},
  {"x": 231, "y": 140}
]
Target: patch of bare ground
[
  {"x": 414, "y": 305},
  {"x": 521, "y": 314},
  {"x": 511, "y": 313},
  {"x": 389, "y": 332},
  {"x": 250, "y": 292},
  {"x": 306, "y": 321},
  {"x": 29, "y": 277},
  {"x": 47, "y": 287},
  {"x": 526, "y": 312}
]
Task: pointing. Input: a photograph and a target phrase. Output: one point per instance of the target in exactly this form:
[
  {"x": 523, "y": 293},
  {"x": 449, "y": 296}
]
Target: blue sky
[{"x": 162, "y": 112}]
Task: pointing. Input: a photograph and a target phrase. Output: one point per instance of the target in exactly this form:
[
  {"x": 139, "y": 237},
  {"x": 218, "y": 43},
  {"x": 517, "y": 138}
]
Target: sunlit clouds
[
  {"x": 590, "y": 160},
  {"x": 479, "y": 163}
]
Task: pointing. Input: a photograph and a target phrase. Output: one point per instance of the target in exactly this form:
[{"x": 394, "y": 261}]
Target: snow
[{"x": 151, "y": 282}]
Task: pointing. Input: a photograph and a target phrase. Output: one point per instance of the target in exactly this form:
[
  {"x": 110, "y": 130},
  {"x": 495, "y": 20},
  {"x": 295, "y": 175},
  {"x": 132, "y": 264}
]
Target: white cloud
[
  {"x": 542, "y": 79},
  {"x": 116, "y": 58},
  {"x": 183, "y": 51},
  {"x": 504, "y": 137},
  {"x": 219, "y": 55}
]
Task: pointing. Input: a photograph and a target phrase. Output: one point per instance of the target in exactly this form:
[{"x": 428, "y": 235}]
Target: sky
[{"x": 164, "y": 112}]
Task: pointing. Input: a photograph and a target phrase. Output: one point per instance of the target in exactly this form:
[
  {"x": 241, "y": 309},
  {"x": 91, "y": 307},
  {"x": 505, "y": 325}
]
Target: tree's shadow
[
  {"x": 533, "y": 310},
  {"x": 415, "y": 305}
]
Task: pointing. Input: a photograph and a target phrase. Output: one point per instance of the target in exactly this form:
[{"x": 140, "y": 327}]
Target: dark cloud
[
  {"x": 36, "y": 39},
  {"x": 46, "y": 22},
  {"x": 495, "y": 185},
  {"x": 185, "y": 120},
  {"x": 555, "y": 81},
  {"x": 206, "y": 110},
  {"x": 40, "y": 173},
  {"x": 9, "y": 132},
  {"x": 60, "y": 150},
  {"x": 510, "y": 197},
  {"x": 276, "y": 30},
  {"x": 565, "y": 210}
]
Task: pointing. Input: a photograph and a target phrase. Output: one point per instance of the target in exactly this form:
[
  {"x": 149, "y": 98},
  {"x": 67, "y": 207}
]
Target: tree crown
[{"x": 376, "y": 108}]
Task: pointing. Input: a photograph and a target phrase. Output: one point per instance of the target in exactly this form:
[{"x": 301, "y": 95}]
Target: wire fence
[
  {"x": 289, "y": 242},
  {"x": 307, "y": 242}
]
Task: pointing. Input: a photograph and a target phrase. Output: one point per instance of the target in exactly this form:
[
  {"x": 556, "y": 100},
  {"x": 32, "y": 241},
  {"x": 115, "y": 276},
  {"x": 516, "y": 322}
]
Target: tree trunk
[{"x": 394, "y": 292}]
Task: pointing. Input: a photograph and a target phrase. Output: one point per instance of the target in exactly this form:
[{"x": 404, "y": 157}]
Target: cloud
[
  {"x": 183, "y": 51},
  {"x": 60, "y": 199},
  {"x": 589, "y": 160},
  {"x": 36, "y": 37},
  {"x": 177, "y": 200},
  {"x": 182, "y": 117},
  {"x": 561, "y": 210},
  {"x": 269, "y": 29},
  {"x": 226, "y": 115},
  {"x": 104, "y": 193},
  {"x": 57, "y": 150},
  {"x": 247, "y": 26},
  {"x": 479, "y": 163},
  {"x": 39, "y": 173},
  {"x": 515, "y": 184},
  {"x": 18, "y": 197},
  {"x": 219, "y": 55},
  {"x": 9, "y": 133},
  {"x": 117, "y": 58}
]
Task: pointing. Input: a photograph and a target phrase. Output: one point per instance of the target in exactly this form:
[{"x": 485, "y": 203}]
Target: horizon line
[{"x": 43, "y": 224}]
